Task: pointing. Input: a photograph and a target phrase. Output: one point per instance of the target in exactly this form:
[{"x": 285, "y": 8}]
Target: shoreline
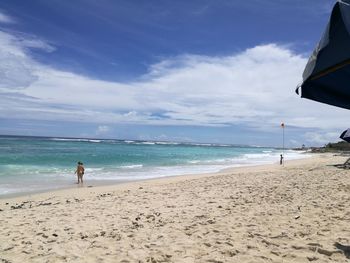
[
  {"x": 23, "y": 172},
  {"x": 106, "y": 183}
]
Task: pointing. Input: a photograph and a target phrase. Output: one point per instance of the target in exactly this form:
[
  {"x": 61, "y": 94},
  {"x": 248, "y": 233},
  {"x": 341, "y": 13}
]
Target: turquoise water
[{"x": 35, "y": 164}]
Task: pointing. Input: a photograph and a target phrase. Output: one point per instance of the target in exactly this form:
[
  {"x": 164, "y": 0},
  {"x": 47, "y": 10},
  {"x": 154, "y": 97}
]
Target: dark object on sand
[
  {"x": 345, "y": 249},
  {"x": 345, "y": 165},
  {"x": 345, "y": 135},
  {"x": 327, "y": 74}
]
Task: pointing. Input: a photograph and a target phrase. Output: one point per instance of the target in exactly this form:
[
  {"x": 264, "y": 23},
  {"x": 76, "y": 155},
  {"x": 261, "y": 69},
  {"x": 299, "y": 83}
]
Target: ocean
[{"x": 35, "y": 164}]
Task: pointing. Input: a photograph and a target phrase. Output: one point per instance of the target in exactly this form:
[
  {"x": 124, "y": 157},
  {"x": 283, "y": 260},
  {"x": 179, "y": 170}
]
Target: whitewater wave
[
  {"x": 75, "y": 140},
  {"x": 167, "y": 143},
  {"x": 131, "y": 166},
  {"x": 112, "y": 141},
  {"x": 147, "y": 143}
]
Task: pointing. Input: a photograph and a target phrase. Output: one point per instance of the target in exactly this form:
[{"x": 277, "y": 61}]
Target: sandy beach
[{"x": 296, "y": 213}]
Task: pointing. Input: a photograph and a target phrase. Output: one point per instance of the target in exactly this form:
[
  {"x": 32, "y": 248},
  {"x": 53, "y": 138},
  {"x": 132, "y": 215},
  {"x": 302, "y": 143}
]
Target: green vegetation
[{"x": 333, "y": 147}]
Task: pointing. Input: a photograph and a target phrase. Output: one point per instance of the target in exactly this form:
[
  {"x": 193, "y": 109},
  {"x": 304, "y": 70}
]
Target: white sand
[{"x": 257, "y": 214}]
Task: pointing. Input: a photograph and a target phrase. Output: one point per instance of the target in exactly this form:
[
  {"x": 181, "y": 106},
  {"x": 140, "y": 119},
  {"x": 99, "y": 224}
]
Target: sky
[{"x": 219, "y": 71}]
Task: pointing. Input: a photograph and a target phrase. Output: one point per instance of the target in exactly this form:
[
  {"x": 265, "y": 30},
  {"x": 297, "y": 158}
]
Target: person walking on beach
[
  {"x": 80, "y": 172},
  {"x": 281, "y": 159}
]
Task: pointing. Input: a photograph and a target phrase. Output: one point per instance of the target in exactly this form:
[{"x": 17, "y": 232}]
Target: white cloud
[
  {"x": 36, "y": 43},
  {"x": 16, "y": 67},
  {"x": 322, "y": 138},
  {"x": 103, "y": 129},
  {"x": 6, "y": 18},
  {"x": 254, "y": 88}
]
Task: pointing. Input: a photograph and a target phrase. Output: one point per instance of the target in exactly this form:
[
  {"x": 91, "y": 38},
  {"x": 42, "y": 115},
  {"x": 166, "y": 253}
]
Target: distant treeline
[{"x": 333, "y": 147}]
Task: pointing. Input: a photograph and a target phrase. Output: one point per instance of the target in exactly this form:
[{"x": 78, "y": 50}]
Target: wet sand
[{"x": 296, "y": 213}]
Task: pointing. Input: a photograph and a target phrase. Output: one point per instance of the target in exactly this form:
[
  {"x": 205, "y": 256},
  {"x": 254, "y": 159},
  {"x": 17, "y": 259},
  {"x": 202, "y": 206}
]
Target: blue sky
[{"x": 203, "y": 71}]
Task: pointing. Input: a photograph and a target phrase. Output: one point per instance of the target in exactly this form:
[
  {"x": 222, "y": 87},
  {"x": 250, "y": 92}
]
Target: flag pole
[
  {"x": 282, "y": 125},
  {"x": 283, "y": 145}
]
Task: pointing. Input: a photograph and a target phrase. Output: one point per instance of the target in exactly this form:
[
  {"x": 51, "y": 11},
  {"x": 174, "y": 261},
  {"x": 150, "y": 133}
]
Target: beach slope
[{"x": 296, "y": 213}]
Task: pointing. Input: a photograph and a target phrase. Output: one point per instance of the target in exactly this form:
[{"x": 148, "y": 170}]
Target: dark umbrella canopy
[
  {"x": 326, "y": 77},
  {"x": 345, "y": 135}
]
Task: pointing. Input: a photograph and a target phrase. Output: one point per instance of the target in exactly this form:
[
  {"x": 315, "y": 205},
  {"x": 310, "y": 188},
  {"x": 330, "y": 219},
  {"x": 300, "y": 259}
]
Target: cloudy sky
[{"x": 198, "y": 71}]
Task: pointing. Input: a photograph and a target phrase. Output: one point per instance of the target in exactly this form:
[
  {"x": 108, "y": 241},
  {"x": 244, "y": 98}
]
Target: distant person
[
  {"x": 80, "y": 172},
  {"x": 281, "y": 159}
]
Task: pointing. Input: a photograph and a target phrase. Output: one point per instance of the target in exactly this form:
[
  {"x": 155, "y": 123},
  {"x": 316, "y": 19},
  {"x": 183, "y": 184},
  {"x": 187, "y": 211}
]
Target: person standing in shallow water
[
  {"x": 80, "y": 172},
  {"x": 281, "y": 159}
]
